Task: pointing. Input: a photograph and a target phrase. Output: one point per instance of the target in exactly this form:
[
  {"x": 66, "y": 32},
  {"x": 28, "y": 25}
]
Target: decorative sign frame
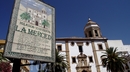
[{"x": 31, "y": 33}]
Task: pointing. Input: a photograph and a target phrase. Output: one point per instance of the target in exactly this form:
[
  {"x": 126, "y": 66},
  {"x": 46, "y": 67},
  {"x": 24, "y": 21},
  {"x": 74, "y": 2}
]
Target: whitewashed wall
[
  {"x": 74, "y": 52},
  {"x": 88, "y": 50},
  {"x": 119, "y": 45},
  {"x": 100, "y": 53}
]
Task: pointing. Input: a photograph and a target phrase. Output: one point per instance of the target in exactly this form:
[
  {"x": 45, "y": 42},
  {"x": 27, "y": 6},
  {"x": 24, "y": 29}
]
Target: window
[
  {"x": 72, "y": 43},
  {"x": 73, "y": 59},
  {"x": 59, "y": 48},
  {"x": 90, "y": 34},
  {"x": 96, "y": 33},
  {"x": 90, "y": 59},
  {"x": 100, "y": 46},
  {"x": 80, "y": 49}
]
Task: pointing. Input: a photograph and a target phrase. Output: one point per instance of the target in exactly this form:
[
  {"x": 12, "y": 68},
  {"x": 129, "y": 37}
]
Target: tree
[
  {"x": 5, "y": 67},
  {"x": 112, "y": 61},
  {"x": 25, "y": 16},
  {"x": 45, "y": 23},
  {"x": 3, "y": 59},
  {"x": 60, "y": 65}
]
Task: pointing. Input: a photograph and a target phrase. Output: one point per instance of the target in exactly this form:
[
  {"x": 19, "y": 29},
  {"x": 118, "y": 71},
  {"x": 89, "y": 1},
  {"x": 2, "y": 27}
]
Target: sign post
[
  {"x": 16, "y": 65},
  {"x": 31, "y": 33}
]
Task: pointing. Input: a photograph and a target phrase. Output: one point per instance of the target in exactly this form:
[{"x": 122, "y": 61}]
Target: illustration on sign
[{"x": 34, "y": 29}]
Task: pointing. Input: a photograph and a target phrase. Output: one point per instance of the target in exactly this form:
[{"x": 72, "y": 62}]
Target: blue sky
[{"x": 113, "y": 17}]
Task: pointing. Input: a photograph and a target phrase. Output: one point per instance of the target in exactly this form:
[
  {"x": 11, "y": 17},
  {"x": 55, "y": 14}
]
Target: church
[{"x": 84, "y": 53}]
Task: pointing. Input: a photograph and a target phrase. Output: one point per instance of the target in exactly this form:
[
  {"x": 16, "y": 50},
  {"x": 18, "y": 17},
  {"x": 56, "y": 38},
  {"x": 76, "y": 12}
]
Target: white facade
[
  {"x": 87, "y": 50},
  {"x": 119, "y": 45},
  {"x": 93, "y": 47}
]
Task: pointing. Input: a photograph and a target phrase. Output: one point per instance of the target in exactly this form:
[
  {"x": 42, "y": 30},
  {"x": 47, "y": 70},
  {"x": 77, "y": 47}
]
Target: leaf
[
  {"x": 45, "y": 23},
  {"x": 25, "y": 16},
  {"x": 112, "y": 61}
]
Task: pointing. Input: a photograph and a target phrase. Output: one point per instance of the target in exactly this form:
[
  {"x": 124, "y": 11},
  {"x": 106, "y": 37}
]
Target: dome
[
  {"x": 92, "y": 29},
  {"x": 91, "y": 23}
]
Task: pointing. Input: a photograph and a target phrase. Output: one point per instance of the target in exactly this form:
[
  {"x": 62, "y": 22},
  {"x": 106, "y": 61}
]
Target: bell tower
[{"x": 92, "y": 30}]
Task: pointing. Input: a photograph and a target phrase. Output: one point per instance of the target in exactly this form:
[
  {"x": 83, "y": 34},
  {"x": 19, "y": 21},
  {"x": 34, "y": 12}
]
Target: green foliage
[
  {"x": 61, "y": 64},
  {"x": 25, "y": 16},
  {"x": 45, "y": 23},
  {"x": 3, "y": 59},
  {"x": 112, "y": 61}
]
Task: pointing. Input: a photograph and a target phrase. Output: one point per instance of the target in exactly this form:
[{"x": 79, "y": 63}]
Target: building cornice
[{"x": 82, "y": 39}]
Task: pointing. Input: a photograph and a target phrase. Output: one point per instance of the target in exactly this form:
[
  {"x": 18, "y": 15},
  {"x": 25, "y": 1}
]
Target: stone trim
[
  {"x": 92, "y": 29},
  {"x": 81, "y": 39},
  {"x": 79, "y": 43},
  {"x": 106, "y": 44},
  {"x": 95, "y": 57},
  {"x": 64, "y": 51},
  {"x": 93, "y": 33},
  {"x": 99, "y": 33},
  {"x": 67, "y": 55}
]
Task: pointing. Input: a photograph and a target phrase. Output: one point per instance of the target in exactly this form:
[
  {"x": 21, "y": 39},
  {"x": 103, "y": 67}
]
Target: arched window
[
  {"x": 96, "y": 33},
  {"x": 90, "y": 34}
]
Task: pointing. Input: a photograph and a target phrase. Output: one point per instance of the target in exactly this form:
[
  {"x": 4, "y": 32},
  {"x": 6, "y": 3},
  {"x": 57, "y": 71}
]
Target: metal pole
[
  {"x": 53, "y": 67},
  {"x": 16, "y": 65},
  {"x": 40, "y": 67}
]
